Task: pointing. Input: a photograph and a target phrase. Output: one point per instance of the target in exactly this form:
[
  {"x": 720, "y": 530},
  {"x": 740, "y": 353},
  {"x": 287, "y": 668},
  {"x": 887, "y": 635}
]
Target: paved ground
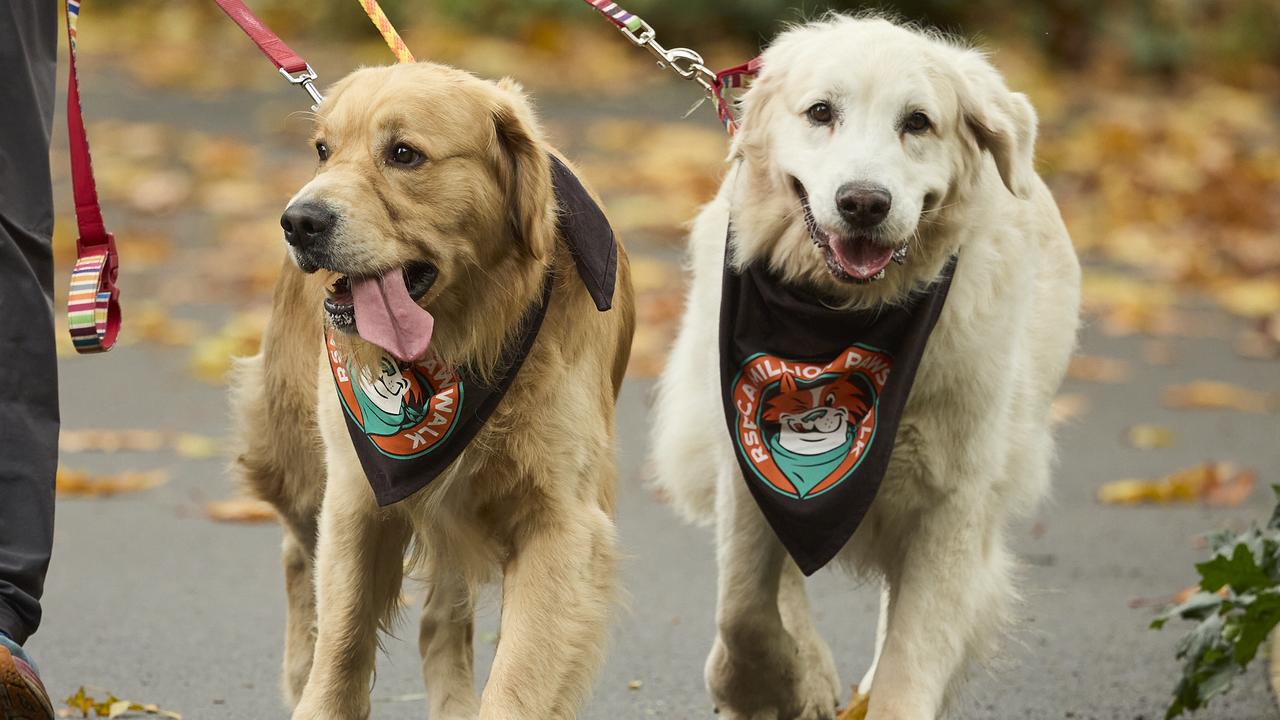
[{"x": 149, "y": 599}]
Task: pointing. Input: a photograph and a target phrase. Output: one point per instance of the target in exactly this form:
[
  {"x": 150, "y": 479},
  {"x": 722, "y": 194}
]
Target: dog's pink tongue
[
  {"x": 861, "y": 258},
  {"x": 387, "y": 317}
]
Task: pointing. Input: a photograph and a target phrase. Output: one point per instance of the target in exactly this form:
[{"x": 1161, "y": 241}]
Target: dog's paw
[
  {"x": 308, "y": 709},
  {"x": 772, "y": 681},
  {"x": 815, "y": 654}
]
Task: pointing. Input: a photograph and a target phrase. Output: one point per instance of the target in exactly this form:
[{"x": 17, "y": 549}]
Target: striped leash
[
  {"x": 388, "y": 31},
  {"x": 682, "y": 61},
  {"x": 93, "y": 302}
]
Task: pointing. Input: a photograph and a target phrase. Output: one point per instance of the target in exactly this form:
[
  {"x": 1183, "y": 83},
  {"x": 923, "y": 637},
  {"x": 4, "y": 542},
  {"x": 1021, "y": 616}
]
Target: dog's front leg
[
  {"x": 359, "y": 566},
  {"x": 949, "y": 596},
  {"x": 300, "y": 610},
  {"x": 556, "y": 593},
  {"x": 445, "y": 643},
  {"x": 757, "y": 670}
]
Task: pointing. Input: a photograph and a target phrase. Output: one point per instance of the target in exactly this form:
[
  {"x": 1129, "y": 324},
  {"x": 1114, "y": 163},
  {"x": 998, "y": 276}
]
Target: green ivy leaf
[{"x": 1240, "y": 572}]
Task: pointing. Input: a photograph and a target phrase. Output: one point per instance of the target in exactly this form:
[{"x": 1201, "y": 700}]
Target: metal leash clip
[
  {"x": 306, "y": 79},
  {"x": 684, "y": 62}
]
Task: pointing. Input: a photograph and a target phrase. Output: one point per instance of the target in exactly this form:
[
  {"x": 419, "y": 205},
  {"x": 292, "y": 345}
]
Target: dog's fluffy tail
[
  {"x": 276, "y": 443},
  {"x": 682, "y": 461}
]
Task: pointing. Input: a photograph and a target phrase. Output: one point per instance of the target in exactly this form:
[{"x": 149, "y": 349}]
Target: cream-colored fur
[
  {"x": 530, "y": 500},
  {"x": 974, "y": 448}
]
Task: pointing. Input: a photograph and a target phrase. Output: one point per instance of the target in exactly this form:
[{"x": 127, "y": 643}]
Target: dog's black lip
[
  {"x": 823, "y": 241},
  {"x": 419, "y": 277}
]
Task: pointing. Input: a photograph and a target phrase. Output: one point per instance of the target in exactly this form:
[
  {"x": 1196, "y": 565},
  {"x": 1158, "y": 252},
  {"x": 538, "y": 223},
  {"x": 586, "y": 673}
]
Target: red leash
[
  {"x": 93, "y": 303},
  {"x": 291, "y": 65}
]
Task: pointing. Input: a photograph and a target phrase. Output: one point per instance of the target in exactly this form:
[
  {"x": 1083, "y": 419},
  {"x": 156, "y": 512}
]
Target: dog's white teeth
[
  {"x": 879, "y": 276},
  {"x": 899, "y": 255}
]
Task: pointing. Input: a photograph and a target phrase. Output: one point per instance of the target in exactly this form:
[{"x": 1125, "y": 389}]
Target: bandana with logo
[
  {"x": 812, "y": 398},
  {"x": 410, "y": 421}
]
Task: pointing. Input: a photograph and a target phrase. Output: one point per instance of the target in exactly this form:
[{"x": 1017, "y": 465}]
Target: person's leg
[{"x": 28, "y": 370}]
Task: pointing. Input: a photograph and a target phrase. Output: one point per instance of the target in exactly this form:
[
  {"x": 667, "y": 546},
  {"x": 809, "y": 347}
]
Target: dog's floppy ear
[
  {"x": 1001, "y": 122},
  {"x": 525, "y": 170},
  {"x": 756, "y": 105}
]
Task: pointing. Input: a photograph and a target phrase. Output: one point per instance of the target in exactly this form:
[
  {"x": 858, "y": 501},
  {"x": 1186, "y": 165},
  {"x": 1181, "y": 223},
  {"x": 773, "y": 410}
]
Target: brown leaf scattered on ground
[
  {"x": 1068, "y": 407},
  {"x": 857, "y": 709},
  {"x": 83, "y": 705},
  {"x": 1213, "y": 395},
  {"x": 1149, "y": 437},
  {"x": 185, "y": 445},
  {"x": 110, "y": 441},
  {"x": 241, "y": 510},
  {"x": 1177, "y": 598},
  {"x": 1094, "y": 368},
  {"x": 1261, "y": 341},
  {"x": 78, "y": 483},
  {"x": 1219, "y": 484}
]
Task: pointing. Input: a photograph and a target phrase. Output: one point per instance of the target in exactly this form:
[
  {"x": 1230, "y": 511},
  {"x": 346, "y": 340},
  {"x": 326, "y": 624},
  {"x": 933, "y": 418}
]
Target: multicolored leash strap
[
  {"x": 93, "y": 303},
  {"x": 682, "y": 61},
  {"x": 289, "y": 63},
  {"x": 389, "y": 34},
  {"x": 737, "y": 77}
]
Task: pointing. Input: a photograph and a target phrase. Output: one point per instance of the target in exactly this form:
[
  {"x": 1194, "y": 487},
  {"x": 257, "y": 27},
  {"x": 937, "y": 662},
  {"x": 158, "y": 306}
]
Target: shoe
[{"x": 22, "y": 695}]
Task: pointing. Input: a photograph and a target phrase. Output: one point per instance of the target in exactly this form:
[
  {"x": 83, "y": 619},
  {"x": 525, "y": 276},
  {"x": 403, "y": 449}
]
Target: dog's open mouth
[
  {"x": 858, "y": 258},
  {"x": 340, "y": 301}
]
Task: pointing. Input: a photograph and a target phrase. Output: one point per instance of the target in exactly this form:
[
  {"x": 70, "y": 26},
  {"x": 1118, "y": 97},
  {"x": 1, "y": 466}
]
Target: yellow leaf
[
  {"x": 1218, "y": 484},
  {"x": 1147, "y": 437},
  {"x": 857, "y": 709},
  {"x": 1253, "y": 298},
  {"x": 77, "y": 483},
  {"x": 1093, "y": 368},
  {"x": 195, "y": 447},
  {"x": 80, "y": 702},
  {"x": 241, "y": 510},
  {"x": 1067, "y": 407},
  {"x": 118, "y": 708},
  {"x": 1217, "y": 396}
]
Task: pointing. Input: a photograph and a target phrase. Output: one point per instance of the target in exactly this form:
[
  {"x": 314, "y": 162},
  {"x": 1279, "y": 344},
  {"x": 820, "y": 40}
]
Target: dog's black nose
[
  {"x": 863, "y": 205},
  {"x": 304, "y": 223}
]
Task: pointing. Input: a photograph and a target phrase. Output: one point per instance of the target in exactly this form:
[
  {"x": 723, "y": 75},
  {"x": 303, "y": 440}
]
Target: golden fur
[{"x": 531, "y": 498}]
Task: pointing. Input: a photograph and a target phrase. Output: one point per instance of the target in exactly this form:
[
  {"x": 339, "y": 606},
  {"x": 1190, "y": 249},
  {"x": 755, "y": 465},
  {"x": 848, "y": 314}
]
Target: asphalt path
[{"x": 149, "y": 599}]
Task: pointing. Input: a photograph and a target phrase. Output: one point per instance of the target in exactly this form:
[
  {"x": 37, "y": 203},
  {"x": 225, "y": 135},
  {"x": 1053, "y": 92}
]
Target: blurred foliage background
[
  {"x": 1159, "y": 135},
  {"x": 1228, "y": 38}
]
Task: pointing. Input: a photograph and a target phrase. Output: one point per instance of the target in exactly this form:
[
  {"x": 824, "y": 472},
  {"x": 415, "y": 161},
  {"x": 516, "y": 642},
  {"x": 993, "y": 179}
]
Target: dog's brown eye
[
  {"x": 916, "y": 123},
  {"x": 402, "y": 154},
  {"x": 820, "y": 114},
  {"x": 322, "y": 151}
]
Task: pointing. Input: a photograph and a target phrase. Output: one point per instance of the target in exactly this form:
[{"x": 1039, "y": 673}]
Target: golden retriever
[
  {"x": 425, "y": 167},
  {"x": 909, "y": 149}
]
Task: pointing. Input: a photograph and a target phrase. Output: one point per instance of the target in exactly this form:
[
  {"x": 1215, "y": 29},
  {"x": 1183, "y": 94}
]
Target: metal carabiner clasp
[
  {"x": 686, "y": 63},
  {"x": 306, "y": 79}
]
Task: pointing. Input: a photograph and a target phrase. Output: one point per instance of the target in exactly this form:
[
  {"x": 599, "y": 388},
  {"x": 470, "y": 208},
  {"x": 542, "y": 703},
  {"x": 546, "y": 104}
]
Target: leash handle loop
[{"x": 93, "y": 300}]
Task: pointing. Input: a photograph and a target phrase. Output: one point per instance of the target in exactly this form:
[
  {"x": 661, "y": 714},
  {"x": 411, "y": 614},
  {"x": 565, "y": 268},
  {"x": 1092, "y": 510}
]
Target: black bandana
[
  {"x": 410, "y": 421},
  {"x": 812, "y": 398}
]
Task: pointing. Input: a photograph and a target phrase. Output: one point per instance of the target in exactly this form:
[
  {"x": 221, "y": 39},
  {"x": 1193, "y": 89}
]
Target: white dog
[{"x": 904, "y": 147}]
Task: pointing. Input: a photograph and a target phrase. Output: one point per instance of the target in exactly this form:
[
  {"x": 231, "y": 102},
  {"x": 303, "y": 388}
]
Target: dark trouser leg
[{"x": 28, "y": 369}]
